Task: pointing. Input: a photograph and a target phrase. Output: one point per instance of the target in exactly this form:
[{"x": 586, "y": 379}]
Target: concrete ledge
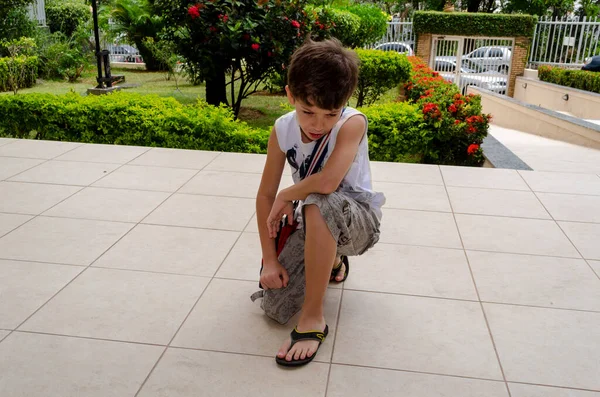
[
  {"x": 580, "y": 103},
  {"x": 128, "y": 65},
  {"x": 499, "y": 156},
  {"x": 512, "y": 113}
]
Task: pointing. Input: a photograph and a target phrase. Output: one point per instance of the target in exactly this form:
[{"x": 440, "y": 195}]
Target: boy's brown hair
[{"x": 323, "y": 74}]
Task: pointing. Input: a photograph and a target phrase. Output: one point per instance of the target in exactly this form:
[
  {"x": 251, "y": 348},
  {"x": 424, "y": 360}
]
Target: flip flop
[
  {"x": 296, "y": 337},
  {"x": 334, "y": 271}
]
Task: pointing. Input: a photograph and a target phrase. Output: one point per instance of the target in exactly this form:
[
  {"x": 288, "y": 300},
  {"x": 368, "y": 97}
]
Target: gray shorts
[{"x": 353, "y": 225}]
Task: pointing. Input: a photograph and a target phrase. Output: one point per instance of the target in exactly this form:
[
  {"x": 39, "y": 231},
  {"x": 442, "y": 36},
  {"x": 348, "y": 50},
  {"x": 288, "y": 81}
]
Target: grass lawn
[{"x": 259, "y": 110}]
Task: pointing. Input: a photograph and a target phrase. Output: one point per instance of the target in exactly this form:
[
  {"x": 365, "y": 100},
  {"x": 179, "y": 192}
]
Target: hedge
[
  {"x": 474, "y": 24},
  {"x": 332, "y": 22},
  {"x": 29, "y": 75},
  {"x": 581, "y": 79},
  {"x": 457, "y": 121},
  {"x": 127, "y": 119},
  {"x": 379, "y": 72},
  {"x": 66, "y": 15}
]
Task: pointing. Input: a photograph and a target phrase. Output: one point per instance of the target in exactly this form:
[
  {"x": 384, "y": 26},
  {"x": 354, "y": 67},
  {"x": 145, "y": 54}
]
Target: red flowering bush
[
  {"x": 234, "y": 45},
  {"x": 457, "y": 121}
]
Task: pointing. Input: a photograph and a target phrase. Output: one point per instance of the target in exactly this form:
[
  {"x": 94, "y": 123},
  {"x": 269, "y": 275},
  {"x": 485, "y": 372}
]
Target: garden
[{"x": 214, "y": 80}]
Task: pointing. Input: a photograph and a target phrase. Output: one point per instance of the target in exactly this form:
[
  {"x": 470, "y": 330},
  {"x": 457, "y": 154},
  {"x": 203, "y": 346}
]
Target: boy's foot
[
  {"x": 339, "y": 270},
  {"x": 305, "y": 348}
]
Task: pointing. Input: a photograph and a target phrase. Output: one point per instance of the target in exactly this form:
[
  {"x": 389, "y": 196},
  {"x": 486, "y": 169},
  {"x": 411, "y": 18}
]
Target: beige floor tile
[
  {"x": 109, "y": 204},
  {"x": 9, "y": 222},
  {"x": 66, "y": 173},
  {"x": 519, "y": 390},
  {"x": 488, "y": 178},
  {"x": 223, "y": 184},
  {"x": 60, "y": 240},
  {"x": 115, "y": 154},
  {"x": 402, "y": 269},
  {"x": 567, "y": 207},
  {"x": 6, "y": 141},
  {"x": 414, "y": 333},
  {"x": 419, "y": 228},
  {"x": 3, "y": 334},
  {"x": 406, "y": 173},
  {"x": 596, "y": 266},
  {"x": 535, "y": 280},
  {"x": 11, "y": 166},
  {"x": 170, "y": 249},
  {"x": 243, "y": 262},
  {"x": 35, "y": 365},
  {"x": 32, "y": 148},
  {"x": 225, "y": 319},
  {"x": 556, "y": 182},
  {"x": 551, "y": 164},
  {"x": 496, "y": 202},
  {"x": 514, "y": 235},
  {"x": 252, "y": 225},
  {"x": 346, "y": 381},
  {"x": 547, "y": 346},
  {"x": 120, "y": 305},
  {"x": 414, "y": 197},
  {"x": 32, "y": 198},
  {"x": 147, "y": 178},
  {"x": 238, "y": 162},
  {"x": 184, "y": 373},
  {"x": 211, "y": 212},
  {"x": 26, "y": 286},
  {"x": 585, "y": 237},
  {"x": 176, "y": 158}
]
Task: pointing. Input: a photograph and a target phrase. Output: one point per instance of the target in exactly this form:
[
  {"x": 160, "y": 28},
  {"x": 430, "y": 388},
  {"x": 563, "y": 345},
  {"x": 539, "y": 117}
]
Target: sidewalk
[{"x": 127, "y": 271}]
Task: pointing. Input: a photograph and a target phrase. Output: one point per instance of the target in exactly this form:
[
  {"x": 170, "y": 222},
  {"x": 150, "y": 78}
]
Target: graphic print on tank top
[{"x": 302, "y": 169}]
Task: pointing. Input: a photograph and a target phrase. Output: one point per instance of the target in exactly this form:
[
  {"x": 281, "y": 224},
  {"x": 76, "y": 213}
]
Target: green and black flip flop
[
  {"x": 334, "y": 271},
  {"x": 296, "y": 337}
]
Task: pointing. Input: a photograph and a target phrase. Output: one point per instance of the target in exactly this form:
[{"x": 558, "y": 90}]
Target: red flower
[
  {"x": 429, "y": 107},
  {"x": 269, "y": 54},
  {"x": 246, "y": 36},
  {"x": 452, "y": 108},
  {"x": 296, "y": 24},
  {"x": 457, "y": 97},
  {"x": 459, "y": 102},
  {"x": 255, "y": 46},
  {"x": 473, "y": 148},
  {"x": 213, "y": 29},
  {"x": 471, "y": 129},
  {"x": 194, "y": 11},
  {"x": 225, "y": 17},
  {"x": 456, "y": 122}
]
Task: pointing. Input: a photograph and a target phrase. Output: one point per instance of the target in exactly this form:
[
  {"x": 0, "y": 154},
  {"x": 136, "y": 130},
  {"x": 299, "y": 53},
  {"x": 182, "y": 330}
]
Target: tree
[
  {"x": 234, "y": 45},
  {"x": 135, "y": 20},
  {"x": 14, "y": 22},
  {"x": 554, "y": 8}
]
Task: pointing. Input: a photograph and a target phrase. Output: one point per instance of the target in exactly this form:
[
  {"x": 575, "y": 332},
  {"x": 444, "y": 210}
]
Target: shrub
[
  {"x": 474, "y": 24},
  {"x": 457, "y": 120},
  {"x": 63, "y": 57},
  {"x": 15, "y": 23},
  {"x": 66, "y": 15},
  {"x": 397, "y": 132},
  {"x": 379, "y": 72},
  {"x": 581, "y": 79},
  {"x": 332, "y": 22},
  {"x": 373, "y": 24},
  {"x": 18, "y": 72},
  {"x": 127, "y": 119}
]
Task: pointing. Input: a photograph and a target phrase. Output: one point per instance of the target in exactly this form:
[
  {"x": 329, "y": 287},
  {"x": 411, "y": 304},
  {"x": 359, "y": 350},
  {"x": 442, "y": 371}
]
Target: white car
[
  {"x": 470, "y": 75},
  {"x": 403, "y": 48},
  {"x": 491, "y": 58}
]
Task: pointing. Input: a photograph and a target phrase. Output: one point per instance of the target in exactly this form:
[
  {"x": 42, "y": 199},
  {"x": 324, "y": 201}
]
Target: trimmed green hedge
[
  {"x": 127, "y": 119},
  {"x": 474, "y": 24},
  {"x": 30, "y": 72},
  {"x": 581, "y": 79},
  {"x": 379, "y": 72},
  {"x": 66, "y": 15}
]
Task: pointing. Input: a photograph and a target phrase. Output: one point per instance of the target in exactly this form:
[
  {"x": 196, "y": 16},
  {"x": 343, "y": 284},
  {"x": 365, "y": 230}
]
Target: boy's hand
[
  {"x": 279, "y": 209},
  {"x": 274, "y": 276}
]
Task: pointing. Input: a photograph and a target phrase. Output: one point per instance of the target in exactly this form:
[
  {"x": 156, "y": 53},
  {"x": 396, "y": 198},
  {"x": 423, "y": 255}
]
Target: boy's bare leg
[{"x": 319, "y": 253}]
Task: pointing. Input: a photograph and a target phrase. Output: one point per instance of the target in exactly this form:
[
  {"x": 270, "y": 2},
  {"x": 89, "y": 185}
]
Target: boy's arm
[
  {"x": 328, "y": 180},
  {"x": 267, "y": 193}
]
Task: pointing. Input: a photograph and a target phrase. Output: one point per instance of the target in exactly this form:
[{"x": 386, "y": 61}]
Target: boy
[{"x": 338, "y": 212}]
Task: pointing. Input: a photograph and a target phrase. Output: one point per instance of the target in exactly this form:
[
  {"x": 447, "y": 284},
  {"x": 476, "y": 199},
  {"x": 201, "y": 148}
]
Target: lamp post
[{"x": 104, "y": 78}]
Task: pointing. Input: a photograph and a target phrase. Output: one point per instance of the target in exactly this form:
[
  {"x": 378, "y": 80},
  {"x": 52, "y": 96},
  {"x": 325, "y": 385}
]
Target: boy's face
[{"x": 314, "y": 121}]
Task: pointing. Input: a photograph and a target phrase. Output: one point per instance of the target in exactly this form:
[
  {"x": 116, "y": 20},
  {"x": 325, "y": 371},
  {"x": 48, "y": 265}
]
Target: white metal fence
[
  {"x": 37, "y": 12},
  {"x": 399, "y": 36},
  {"x": 565, "y": 42}
]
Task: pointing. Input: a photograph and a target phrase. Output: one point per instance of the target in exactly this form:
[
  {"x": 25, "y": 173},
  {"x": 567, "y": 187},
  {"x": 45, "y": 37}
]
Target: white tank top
[{"x": 357, "y": 182}]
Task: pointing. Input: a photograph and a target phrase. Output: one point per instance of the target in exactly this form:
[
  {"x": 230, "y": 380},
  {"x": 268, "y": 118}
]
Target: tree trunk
[
  {"x": 216, "y": 92},
  {"x": 473, "y": 5}
]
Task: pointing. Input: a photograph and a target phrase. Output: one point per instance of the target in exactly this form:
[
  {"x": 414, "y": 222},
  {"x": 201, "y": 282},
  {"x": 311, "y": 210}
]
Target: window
[
  {"x": 480, "y": 53},
  {"x": 496, "y": 53}
]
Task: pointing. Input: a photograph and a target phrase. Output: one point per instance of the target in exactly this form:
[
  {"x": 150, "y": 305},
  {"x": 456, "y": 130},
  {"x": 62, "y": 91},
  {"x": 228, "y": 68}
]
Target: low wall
[
  {"x": 511, "y": 113},
  {"x": 579, "y": 103}
]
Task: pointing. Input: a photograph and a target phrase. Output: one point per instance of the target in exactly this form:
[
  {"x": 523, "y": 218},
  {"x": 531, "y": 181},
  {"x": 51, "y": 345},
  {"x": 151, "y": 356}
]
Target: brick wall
[
  {"x": 424, "y": 41},
  {"x": 519, "y": 61}
]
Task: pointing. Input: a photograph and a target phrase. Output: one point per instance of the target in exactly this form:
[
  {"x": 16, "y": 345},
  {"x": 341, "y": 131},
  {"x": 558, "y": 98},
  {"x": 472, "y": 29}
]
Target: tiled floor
[{"x": 127, "y": 271}]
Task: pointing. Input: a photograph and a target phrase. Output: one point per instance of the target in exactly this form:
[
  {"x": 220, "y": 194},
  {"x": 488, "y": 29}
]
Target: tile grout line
[
  {"x": 477, "y": 292},
  {"x": 337, "y": 328},
  {"x": 566, "y": 235}
]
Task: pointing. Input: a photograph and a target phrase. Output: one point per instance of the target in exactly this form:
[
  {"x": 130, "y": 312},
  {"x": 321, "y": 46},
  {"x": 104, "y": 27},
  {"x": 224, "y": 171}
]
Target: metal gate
[{"x": 473, "y": 61}]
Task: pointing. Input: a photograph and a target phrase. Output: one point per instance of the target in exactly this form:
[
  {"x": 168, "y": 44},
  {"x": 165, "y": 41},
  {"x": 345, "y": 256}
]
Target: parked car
[
  {"x": 491, "y": 58},
  {"x": 124, "y": 53},
  {"x": 403, "y": 48},
  {"x": 471, "y": 74},
  {"x": 592, "y": 64}
]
